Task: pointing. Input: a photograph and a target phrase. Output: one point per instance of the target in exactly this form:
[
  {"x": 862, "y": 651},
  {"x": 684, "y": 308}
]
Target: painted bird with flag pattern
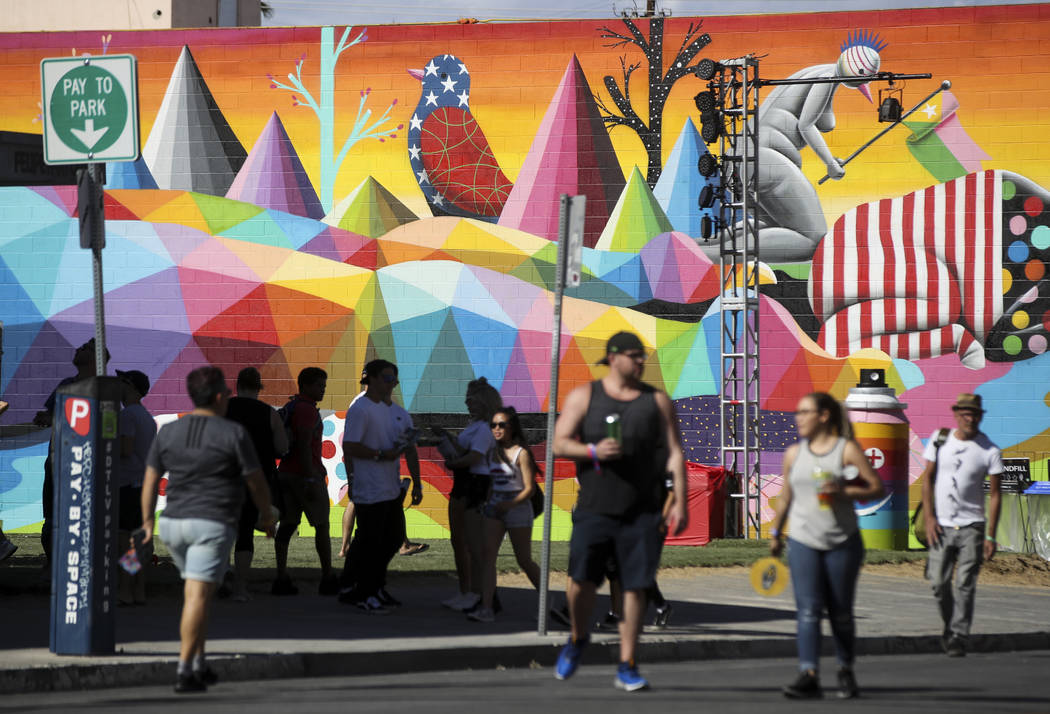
[{"x": 452, "y": 159}]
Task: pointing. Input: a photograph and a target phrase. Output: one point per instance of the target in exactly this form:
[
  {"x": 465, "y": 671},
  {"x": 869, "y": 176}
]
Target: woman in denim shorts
[{"x": 508, "y": 509}]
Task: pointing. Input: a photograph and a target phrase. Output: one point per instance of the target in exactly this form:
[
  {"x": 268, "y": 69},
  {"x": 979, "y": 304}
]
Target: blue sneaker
[
  {"x": 628, "y": 679},
  {"x": 569, "y": 659}
]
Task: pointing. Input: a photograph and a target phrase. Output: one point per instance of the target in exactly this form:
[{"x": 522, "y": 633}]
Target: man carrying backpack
[
  {"x": 958, "y": 536},
  {"x": 302, "y": 482}
]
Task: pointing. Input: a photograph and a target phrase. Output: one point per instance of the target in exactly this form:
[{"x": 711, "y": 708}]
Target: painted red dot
[
  {"x": 1034, "y": 269},
  {"x": 328, "y": 449},
  {"x": 1033, "y": 205},
  {"x": 1046, "y": 320}
]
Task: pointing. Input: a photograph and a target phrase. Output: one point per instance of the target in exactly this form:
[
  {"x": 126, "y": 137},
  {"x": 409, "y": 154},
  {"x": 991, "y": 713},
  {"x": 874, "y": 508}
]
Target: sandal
[{"x": 414, "y": 548}]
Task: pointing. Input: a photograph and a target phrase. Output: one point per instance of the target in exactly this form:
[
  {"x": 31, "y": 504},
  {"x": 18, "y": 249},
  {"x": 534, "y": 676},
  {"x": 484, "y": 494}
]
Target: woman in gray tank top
[{"x": 825, "y": 551}]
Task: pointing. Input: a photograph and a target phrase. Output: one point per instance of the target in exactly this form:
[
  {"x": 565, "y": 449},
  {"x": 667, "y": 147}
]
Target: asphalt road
[{"x": 986, "y": 683}]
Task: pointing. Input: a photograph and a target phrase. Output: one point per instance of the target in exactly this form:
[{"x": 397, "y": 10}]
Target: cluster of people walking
[{"x": 235, "y": 465}]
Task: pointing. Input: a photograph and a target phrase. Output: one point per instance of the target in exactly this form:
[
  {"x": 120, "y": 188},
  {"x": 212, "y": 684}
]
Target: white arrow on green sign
[{"x": 90, "y": 109}]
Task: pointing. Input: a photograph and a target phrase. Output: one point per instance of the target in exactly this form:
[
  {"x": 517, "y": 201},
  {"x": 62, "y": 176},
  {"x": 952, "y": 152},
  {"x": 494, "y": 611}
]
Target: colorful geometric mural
[{"x": 401, "y": 193}]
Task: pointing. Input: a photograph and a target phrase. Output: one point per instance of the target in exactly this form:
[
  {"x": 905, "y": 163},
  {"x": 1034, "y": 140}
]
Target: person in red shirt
[{"x": 302, "y": 481}]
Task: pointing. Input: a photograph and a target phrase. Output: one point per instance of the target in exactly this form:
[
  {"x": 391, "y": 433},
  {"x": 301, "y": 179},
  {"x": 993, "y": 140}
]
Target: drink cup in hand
[{"x": 822, "y": 478}]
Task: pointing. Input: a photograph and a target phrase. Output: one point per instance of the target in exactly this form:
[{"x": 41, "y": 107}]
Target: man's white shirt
[
  {"x": 959, "y": 484},
  {"x": 376, "y": 425}
]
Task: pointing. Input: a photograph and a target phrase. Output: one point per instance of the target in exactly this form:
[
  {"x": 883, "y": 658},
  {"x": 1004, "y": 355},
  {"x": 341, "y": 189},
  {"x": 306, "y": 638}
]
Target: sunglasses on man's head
[{"x": 498, "y": 424}]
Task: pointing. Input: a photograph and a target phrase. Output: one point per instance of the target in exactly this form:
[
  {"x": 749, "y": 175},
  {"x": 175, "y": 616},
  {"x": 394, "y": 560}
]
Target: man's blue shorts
[{"x": 635, "y": 541}]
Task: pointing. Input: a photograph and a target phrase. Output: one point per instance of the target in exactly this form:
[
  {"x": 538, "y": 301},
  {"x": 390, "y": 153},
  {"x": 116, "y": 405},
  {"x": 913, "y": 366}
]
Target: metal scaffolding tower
[{"x": 736, "y": 86}]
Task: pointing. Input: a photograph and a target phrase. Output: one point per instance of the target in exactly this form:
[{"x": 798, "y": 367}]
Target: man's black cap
[{"x": 621, "y": 342}]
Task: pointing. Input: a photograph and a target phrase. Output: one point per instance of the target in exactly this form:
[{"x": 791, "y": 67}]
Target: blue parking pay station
[{"x": 84, "y": 564}]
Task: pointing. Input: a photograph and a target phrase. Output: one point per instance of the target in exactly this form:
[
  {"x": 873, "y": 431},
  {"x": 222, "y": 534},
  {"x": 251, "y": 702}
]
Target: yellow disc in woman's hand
[{"x": 769, "y": 577}]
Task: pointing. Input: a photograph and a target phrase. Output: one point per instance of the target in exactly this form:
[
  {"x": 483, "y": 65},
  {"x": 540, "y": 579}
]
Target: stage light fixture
[
  {"x": 707, "y": 68},
  {"x": 890, "y": 99},
  {"x": 707, "y": 165},
  {"x": 705, "y": 102},
  {"x": 711, "y": 127},
  {"x": 707, "y": 197},
  {"x": 708, "y": 226},
  {"x": 890, "y": 110}
]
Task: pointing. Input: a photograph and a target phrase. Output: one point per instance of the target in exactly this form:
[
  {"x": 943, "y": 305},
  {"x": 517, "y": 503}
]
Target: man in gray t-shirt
[{"x": 208, "y": 460}]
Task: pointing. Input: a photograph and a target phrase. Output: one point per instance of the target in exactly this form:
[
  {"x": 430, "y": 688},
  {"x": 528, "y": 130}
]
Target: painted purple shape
[
  {"x": 519, "y": 388},
  {"x": 127, "y": 305},
  {"x": 273, "y": 176},
  {"x": 675, "y": 266},
  {"x": 337, "y": 244},
  {"x": 168, "y": 393},
  {"x": 572, "y": 154},
  {"x": 180, "y": 241}
]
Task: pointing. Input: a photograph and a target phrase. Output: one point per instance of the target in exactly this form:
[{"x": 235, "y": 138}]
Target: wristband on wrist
[
  {"x": 774, "y": 532},
  {"x": 593, "y": 451},
  {"x": 991, "y": 538}
]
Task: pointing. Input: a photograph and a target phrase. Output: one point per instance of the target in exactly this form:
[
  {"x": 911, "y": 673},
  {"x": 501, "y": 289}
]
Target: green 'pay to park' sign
[{"x": 90, "y": 109}]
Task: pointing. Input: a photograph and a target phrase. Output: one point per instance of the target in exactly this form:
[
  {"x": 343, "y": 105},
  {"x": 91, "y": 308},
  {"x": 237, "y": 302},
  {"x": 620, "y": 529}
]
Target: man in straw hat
[{"x": 958, "y": 533}]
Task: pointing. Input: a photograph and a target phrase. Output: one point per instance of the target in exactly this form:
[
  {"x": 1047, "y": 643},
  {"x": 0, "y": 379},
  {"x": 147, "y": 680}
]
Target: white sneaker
[{"x": 482, "y": 614}]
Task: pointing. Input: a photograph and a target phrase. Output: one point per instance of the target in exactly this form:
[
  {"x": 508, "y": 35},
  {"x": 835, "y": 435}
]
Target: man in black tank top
[{"x": 624, "y": 437}]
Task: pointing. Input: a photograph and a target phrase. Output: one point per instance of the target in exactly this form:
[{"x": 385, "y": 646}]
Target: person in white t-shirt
[
  {"x": 957, "y": 530},
  {"x": 375, "y": 435}
]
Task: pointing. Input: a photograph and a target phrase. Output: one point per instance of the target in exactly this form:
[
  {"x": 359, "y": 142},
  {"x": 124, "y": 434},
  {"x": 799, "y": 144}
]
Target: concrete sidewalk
[{"x": 716, "y": 615}]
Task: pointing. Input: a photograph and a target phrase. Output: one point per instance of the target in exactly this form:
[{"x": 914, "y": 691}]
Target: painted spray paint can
[{"x": 881, "y": 428}]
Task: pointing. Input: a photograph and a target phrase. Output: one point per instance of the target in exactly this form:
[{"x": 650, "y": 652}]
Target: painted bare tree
[
  {"x": 324, "y": 107},
  {"x": 649, "y": 130}
]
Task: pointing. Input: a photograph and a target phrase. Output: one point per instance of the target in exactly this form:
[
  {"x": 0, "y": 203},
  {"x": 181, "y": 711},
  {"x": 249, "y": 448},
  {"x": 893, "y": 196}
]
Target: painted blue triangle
[
  {"x": 16, "y": 306},
  {"x": 26, "y": 211},
  {"x": 488, "y": 343},
  {"x": 35, "y": 261},
  {"x": 298, "y": 229},
  {"x": 448, "y": 371},
  {"x": 414, "y": 340},
  {"x": 129, "y": 174}
]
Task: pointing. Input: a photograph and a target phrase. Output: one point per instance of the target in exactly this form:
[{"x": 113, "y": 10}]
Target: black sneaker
[
  {"x": 386, "y": 599},
  {"x": 329, "y": 585},
  {"x": 206, "y": 675},
  {"x": 956, "y": 647},
  {"x": 847, "y": 684},
  {"x": 561, "y": 616},
  {"x": 284, "y": 586},
  {"x": 611, "y": 621},
  {"x": 663, "y": 616},
  {"x": 807, "y": 686},
  {"x": 189, "y": 684}
]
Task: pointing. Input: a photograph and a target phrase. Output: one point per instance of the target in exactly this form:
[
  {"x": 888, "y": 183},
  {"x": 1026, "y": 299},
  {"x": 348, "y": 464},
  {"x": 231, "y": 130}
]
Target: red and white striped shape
[{"x": 915, "y": 276}]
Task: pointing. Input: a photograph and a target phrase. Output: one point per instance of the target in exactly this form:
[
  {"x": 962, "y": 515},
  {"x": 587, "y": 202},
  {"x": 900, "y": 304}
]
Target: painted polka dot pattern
[{"x": 1025, "y": 326}]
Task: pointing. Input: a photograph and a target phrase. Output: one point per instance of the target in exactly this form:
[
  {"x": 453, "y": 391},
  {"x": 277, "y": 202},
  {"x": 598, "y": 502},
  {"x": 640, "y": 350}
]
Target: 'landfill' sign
[{"x": 90, "y": 109}]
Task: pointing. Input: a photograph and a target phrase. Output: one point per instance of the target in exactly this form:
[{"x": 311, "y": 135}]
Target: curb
[{"x": 71, "y": 677}]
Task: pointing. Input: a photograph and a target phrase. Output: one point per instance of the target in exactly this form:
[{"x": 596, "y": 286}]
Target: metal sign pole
[
  {"x": 98, "y": 242},
  {"x": 552, "y": 411},
  {"x": 572, "y": 215}
]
